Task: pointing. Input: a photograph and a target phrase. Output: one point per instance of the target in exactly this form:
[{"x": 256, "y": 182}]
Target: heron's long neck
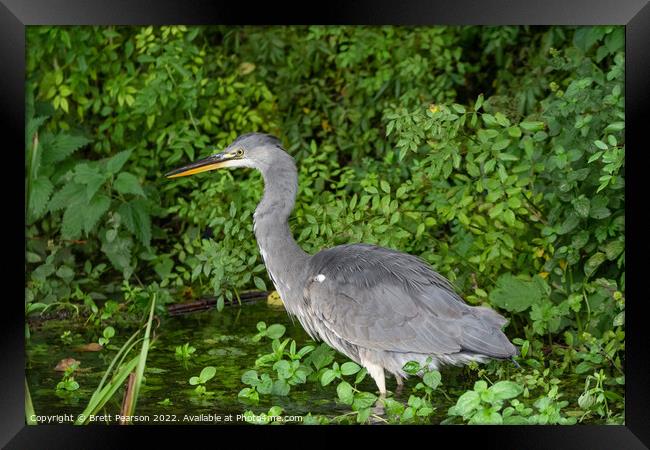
[{"x": 284, "y": 259}]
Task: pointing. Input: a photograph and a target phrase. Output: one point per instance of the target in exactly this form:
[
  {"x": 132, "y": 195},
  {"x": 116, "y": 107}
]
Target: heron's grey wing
[{"x": 383, "y": 299}]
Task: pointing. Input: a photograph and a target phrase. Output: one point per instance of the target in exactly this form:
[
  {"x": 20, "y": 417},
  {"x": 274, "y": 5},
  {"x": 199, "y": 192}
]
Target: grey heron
[{"x": 379, "y": 307}]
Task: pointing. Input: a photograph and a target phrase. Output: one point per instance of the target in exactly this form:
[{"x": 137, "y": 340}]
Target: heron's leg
[
  {"x": 400, "y": 384},
  {"x": 377, "y": 374}
]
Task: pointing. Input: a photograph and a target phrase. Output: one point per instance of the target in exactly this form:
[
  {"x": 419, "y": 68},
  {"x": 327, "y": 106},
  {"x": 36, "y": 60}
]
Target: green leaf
[
  {"x": 259, "y": 283},
  {"x": 280, "y": 387},
  {"x": 532, "y": 126},
  {"x": 94, "y": 211},
  {"x": 615, "y": 40},
  {"x": 581, "y": 205},
  {"x": 384, "y": 186},
  {"x": 411, "y": 367},
  {"x": 500, "y": 145},
  {"x": 503, "y": 390},
  {"x": 328, "y": 376},
  {"x": 345, "y": 393},
  {"x": 62, "y": 146},
  {"x": 467, "y": 404},
  {"x": 73, "y": 220},
  {"x": 569, "y": 224},
  {"x": 432, "y": 379},
  {"x": 600, "y": 144},
  {"x": 350, "y": 368},
  {"x": 614, "y": 248},
  {"x": 89, "y": 176},
  {"x": 70, "y": 193},
  {"x": 265, "y": 386},
  {"x": 39, "y": 195},
  {"x": 208, "y": 373},
  {"x": 515, "y": 295},
  {"x": 363, "y": 400},
  {"x": 115, "y": 163},
  {"x": 594, "y": 262},
  {"x": 275, "y": 331},
  {"x": 250, "y": 377},
  {"x": 136, "y": 219},
  {"x": 127, "y": 183},
  {"x": 599, "y": 208},
  {"x": 119, "y": 254}
]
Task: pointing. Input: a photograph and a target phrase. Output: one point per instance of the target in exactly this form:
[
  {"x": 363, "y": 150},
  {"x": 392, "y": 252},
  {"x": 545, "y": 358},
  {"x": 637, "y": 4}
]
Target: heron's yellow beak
[{"x": 224, "y": 159}]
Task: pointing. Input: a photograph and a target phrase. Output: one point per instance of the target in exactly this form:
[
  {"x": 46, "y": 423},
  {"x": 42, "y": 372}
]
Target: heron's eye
[{"x": 240, "y": 152}]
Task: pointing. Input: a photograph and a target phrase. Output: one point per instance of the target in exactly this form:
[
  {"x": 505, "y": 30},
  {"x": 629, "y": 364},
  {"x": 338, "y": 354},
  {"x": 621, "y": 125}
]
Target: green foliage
[
  {"x": 286, "y": 361},
  {"x": 497, "y": 154},
  {"x": 206, "y": 375},
  {"x": 68, "y": 383},
  {"x": 184, "y": 351}
]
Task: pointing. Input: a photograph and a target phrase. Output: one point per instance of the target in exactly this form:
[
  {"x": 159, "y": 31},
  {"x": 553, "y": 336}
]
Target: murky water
[{"x": 222, "y": 339}]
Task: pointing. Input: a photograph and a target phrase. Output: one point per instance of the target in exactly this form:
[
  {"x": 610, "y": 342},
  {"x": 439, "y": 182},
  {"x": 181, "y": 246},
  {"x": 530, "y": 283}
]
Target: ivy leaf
[{"x": 127, "y": 183}]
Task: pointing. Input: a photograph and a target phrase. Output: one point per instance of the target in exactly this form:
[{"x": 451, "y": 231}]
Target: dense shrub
[{"x": 496, "y": 154}]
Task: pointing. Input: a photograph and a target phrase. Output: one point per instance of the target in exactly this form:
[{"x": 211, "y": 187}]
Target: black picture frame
[{"x": 634, "y": 14}]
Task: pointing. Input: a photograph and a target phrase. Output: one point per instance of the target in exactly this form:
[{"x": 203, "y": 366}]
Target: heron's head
[{"x": 257, "y": 150}]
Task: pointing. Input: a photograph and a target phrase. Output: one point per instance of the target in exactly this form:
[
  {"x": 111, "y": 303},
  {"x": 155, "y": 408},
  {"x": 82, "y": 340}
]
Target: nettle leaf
[
  {"x": 73, "y": 220},
  {"x": 136, "y": 219},
  {"x": 89, "y": 176},
  {"x": 38, "y": 197},
  {"x": 70, "y": 193},
  {"x": 515, "y": 295},
  {"x": 94, "y": 211},
  {"x": 127, "y": 183},
  {"x": 115, "y": 163},
  {"x": 61, "y": 146}
]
